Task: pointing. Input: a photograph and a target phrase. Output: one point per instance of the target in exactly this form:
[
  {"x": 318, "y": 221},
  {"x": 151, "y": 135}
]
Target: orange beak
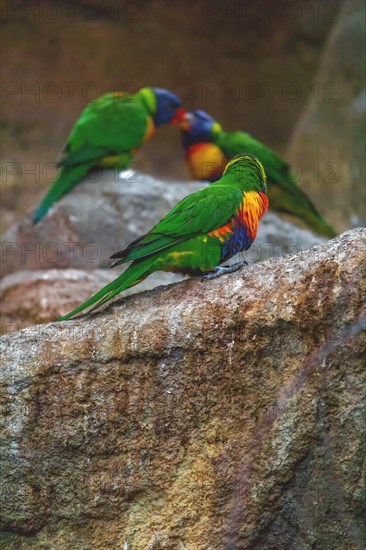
[{"x": 180, "y": 119}]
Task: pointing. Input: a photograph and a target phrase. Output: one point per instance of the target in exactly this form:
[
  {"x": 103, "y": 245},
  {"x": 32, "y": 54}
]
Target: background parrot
[
  {"x": 107, "y": 135},
  {"x": 208, "y": 149},
  {"x": 202, "y": 231}
]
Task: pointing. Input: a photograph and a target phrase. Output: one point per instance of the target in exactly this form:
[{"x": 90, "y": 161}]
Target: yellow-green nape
[
  {"x": 149, "y": 97},
  {"x": 261, "y": 169},
  {"x": 245, "y": 159},
  {"x": 216, "y": 128}
]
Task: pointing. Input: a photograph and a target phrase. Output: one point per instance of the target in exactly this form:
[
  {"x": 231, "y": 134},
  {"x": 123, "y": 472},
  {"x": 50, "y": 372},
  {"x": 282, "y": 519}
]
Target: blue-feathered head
[
  {"x": 168, "y": 108},
  {"x": 201, "y": 128}
]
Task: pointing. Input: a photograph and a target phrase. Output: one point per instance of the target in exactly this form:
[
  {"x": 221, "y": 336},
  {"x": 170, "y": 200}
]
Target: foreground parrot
[
  {"x": 108, "y": 133},
  {"x": 202, "y": 231},
  {"x": 208, "y": 148}
]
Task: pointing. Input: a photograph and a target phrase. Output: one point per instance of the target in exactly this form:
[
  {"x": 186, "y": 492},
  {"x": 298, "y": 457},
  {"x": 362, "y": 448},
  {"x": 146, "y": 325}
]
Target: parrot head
[
  {"x": 247, "y": 168},
  {"x": 200, "y": 128},
  {"x": 168, "y": 108}
]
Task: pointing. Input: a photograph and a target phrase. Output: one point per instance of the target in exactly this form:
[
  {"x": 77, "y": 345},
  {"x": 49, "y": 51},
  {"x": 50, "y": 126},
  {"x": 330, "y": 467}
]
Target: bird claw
[{"x": 223, "y": 269}]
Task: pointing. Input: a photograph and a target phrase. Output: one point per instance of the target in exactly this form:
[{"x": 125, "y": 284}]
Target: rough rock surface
[
  {"x": 31, "y": 297},
  {"x": 77, "y": 238},
  {"x": 329, "y": 141},
  {"x": 220, "y": 414},
  {"x": 90, "y": 223},
  {"x": 99, "y": 218}
]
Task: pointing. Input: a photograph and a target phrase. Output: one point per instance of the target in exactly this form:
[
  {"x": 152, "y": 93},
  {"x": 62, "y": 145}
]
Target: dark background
[{"x": 259, "y": 66}]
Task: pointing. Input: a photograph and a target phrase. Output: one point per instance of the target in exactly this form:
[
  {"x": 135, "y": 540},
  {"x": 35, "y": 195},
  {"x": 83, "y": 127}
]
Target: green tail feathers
[
  {"x": 319, "y": 225},
  {"x": 133, "y": 275},
  {"x": 293, "y": 201},
  {"x": 66, "y": 180}
]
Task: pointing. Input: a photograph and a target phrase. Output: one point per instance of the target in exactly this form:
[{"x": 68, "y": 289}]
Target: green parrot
[
  {"x": 107, "y": 135},
  {"x": 208, "y": 148},
  {"x": 202, "y": 231}
]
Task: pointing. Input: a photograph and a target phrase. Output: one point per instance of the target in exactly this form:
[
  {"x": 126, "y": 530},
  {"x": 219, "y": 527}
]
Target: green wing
[
  {"x": 108, "y": 126},
  {"x": 197, "y": 214}
]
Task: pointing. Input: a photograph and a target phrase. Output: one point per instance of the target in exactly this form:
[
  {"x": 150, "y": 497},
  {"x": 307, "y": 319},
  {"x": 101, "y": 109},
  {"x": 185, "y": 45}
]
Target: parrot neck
[
  {"x": 246, "y": 173},
  {"x": 199, "y": 134},
  {"x": 245, "y": 180},
  {"x": 148, "y": 98},
  {"x": 195, "y": 138},
  {"x": 189, "y": 139}
]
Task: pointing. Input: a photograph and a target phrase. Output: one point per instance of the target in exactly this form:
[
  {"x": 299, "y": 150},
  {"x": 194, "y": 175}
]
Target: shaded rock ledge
[
  {"x": 31, "y": 297},
  {"x": 100, "y": 217},
  {"x": 50, "y": 268},
  {"x": 221, "y": 414}
]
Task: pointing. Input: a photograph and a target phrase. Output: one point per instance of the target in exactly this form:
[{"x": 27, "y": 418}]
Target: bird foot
[{"x": 223, "y": 269}]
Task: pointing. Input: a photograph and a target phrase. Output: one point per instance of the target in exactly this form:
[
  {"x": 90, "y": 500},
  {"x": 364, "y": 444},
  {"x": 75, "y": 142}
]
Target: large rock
[
  {"x": 98, "y": 218},
  {"x": 329, "y": 141},
  {"x": 32, "y": 297},
  {"x": 90, "y": 223},
  {"x": 80, "y": 233},
  {"x": 219, "y": 414}
]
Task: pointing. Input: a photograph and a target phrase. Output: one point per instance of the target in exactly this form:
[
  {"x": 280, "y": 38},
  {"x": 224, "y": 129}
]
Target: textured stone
[
  {"x": 90, "y": 223},
  {"x": 80, "y": 233},
  {"x": 32, "y": 297},
  {"x": 220, "y": 414},
  {"x": 99, "y": 218}
]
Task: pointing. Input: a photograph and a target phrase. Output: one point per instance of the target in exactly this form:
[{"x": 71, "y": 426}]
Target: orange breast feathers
[
  {"x": 252, "y": 208},
  {"x": 249, "y": 214},
  {"x": 205, "y": 160}
]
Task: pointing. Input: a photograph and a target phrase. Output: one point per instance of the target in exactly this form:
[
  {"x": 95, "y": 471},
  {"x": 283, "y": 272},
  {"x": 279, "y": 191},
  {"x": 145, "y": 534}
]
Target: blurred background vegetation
[{"x": 290, "y": 73}]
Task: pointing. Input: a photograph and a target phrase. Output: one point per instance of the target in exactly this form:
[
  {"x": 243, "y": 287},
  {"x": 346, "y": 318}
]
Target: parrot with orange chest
[
  {"x": 108, "y": 133},
  {"x": 208, "y": 148},
  {"x": 201, "y": 232}
]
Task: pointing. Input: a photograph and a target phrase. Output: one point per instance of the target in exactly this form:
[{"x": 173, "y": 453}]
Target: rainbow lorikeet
[
  {"x": 208, "y": 149},
  {"x": 202, "y": 231},
  {"x": 107, "y": 135}
]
